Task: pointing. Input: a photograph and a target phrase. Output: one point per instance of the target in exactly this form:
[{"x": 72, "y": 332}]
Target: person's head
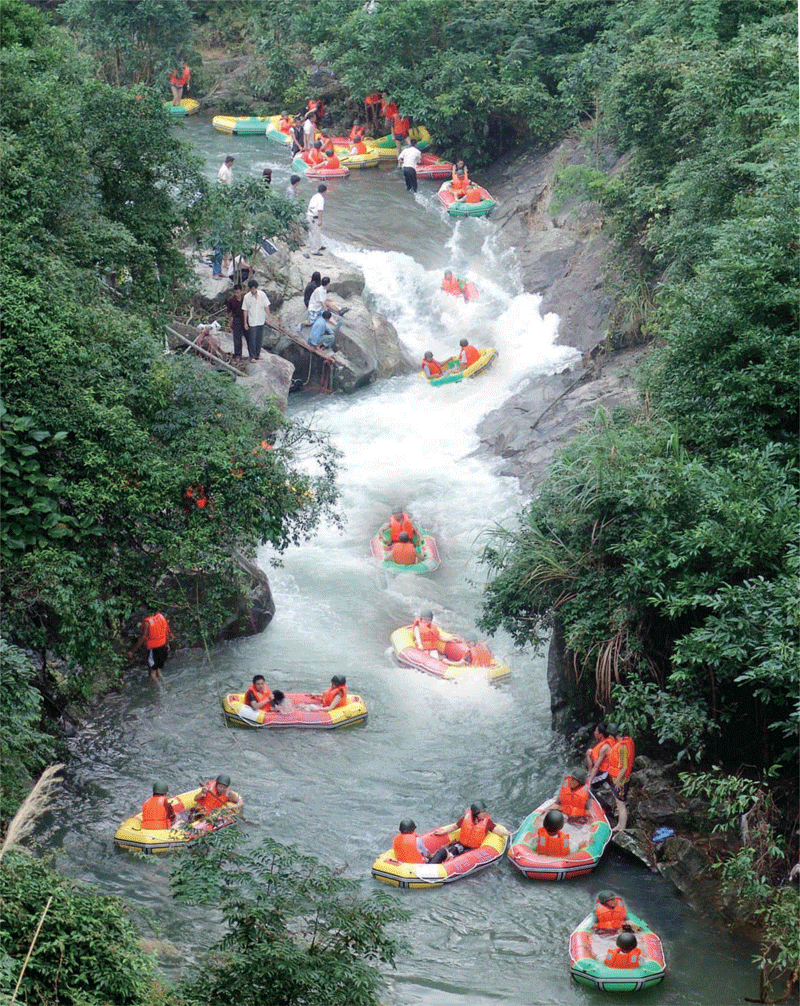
[
  {"x": 428, "y": 354},
  {"x": 463, "y": 342},
  {"x": 398, "y": 513},
  {"x": 318, "y": 144},
  {"x": 404, "y": 536},
  {"x": 626, "y": 942},
  {"x": 277, "y": 698},
  {"x": 601, "y": 731},
  {"x": 316, "y": 278},
  {"x": 259, "y": 682},
  {"x": 266, "y": 174},
  {"x": 577, "y": 778},
  {"x": 411, "y": 142},
  {"x": 461, "y": 163},
  {"x": 338, "y": 680},
  {"x": 224, "y": 781},
  {"x": 407, "y": 826},
  {"x": 426, "y": 615},
  {"x": 607, "y": 898},
  {"x": 229, "y": 160},
  {"x": 294, "y": 180},
  {"x": 237, "y": 286},
  {"x": 553, "y": 822},
  {"x": 322, "y": 187},
  {"x": 252, "y": 284},
  {"x": 326, "y": 315},
  {"x": 356, "y": 122},
  {"x": 325, "y": 280},
  {"x": 477, "y": 809},
  {"x": 613, "y": 729},
  {"x": 448, "y": 274},
  {"x": 284, "y": 114},
  {"x": 159, "y": 788}
]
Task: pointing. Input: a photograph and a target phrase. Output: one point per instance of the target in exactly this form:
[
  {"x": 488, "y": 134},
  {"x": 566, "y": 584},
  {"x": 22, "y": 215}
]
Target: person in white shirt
[
  {"x": 256, "y": 312},
  {"x": 309, "y": 129},
  {"x": 316, "y": 207},
  {"x": 225, "y": 173},
  {"x": 409, "y": 158},
  {"x": 319, "y": 302}
]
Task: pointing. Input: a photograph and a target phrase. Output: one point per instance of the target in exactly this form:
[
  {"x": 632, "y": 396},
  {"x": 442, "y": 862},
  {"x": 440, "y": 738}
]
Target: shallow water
[{"x": 429, "y": 747}]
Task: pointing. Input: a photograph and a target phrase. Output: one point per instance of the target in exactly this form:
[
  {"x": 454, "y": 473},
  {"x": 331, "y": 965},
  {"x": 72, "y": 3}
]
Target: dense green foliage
[
  {"x": 102, "y": 434},
  {"x": 299, "y": 931},
  {"x": 24, "y": 749},
  {"x": 86, "y": 953}
]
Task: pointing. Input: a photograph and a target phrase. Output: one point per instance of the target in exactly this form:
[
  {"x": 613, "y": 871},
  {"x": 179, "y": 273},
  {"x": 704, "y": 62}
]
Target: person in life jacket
[
  {"x": 399, "y": 522},
  {"x": 389, "y": 110},
  {"x": 609, "y": 911},
  {"x": 314, "y": 156},
  {"x": 157, "y": 812},
  {"x": 331, "y": 160},
  {"x": 403, "y": 551},
  {"x": 474, "y": 825},
  {"x": 357, "y": 132},
  {"x": 473, "y": 194},
  {"x": 407, "y": 846},
  {"x": 214, "y": 795},
  {"x": 179, "y": 79},
  {"x": 317, "y": 107},
  {"x": 156, "y": 635},
  {"x": 550, "y": 839},
  {"x": 426, "y": 634},
  {"x": 452, "y": 284},
  {"x": 286, "y": 123},
  {"x": 359, "y": 147},
  {"x": 626, "y": 954},
  {"x": 620, "y": 766},
  {"x": 258, "y": 694},
  {"x": 332, "y": 697},
  {"x": 467, "y": 355},
  {"x": 459, "y": 179},
  {"x": 401, "y": 126},
  {"x": 574, "y": 794},
  {"x": 597, "y": 757},
  {"x": 430, "y": 367}
]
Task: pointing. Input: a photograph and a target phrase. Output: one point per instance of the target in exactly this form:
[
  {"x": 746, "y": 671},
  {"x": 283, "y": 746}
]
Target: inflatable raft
[
  {"x": 415, "y": 876},
  {"x": 587, "y": 954},
  {"x": 300, "y": 167},
  {"x": 468, "y": 290},
  {"x": 131, "y": 834},
  {"x": 188, "y": 106},
  {"x": 239, "y": 715},
  {"x": 433, "y": 168},
  {"x": 242, "y": 125},
  {"x": 452, "y": 375},
  {"x": 387, "y": 148},
  {"x": 407, "y": 653},
  {"x": 426, "y": 547},
  {"x": 357, "y": 162},
  {"x": 466, "y": 207},
  {"x": 586, "y": 844}
]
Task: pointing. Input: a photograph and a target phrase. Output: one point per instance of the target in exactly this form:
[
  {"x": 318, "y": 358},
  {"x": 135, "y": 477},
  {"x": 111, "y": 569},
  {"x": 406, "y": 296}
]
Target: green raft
[
  {"x": 587, "y": 953},
  {"x": 425, "y": 544}
]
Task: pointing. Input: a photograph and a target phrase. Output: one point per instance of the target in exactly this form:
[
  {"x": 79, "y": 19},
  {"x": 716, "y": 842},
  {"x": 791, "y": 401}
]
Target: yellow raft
[
  {"x": 188, "y": 106},
  {"x": 239, "y": 715},
  {"x": 131, "y": 834},
  {"x": 408, "y": 653},
  {"x": 415, "y": 876},
  {"x": 254, "y": 125}
]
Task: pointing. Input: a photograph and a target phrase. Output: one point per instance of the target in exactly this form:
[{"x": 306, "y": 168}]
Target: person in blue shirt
[{"x": 322, "y": 334}]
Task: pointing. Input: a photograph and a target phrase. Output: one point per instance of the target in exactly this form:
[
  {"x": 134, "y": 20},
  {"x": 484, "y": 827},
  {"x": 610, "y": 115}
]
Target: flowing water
[{"x": 429, "y": 747}]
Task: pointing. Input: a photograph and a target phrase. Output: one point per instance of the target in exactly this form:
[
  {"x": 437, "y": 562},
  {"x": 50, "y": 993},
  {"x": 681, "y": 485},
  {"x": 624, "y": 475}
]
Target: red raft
[{"x": 434, "y": 168}]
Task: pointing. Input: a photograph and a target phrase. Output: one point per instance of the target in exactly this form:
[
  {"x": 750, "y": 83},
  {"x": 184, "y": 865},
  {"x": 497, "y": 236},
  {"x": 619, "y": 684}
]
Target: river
[{"x": 429, "y": 747}]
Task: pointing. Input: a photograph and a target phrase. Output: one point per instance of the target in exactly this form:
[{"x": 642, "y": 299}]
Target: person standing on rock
[
  {"x": 255, "y": 307},
  {"x": 156, "y": 635},
  {"x": 316, "y": 207},
  {"x": 233, "y": 305}
]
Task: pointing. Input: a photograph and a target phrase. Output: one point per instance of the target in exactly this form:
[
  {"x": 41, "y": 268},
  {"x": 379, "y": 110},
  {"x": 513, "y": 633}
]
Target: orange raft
[{"x": 239, "y": 715}]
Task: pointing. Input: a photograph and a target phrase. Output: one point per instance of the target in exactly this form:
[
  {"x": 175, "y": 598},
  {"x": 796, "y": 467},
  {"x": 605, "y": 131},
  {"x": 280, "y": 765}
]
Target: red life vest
[
  {"x": 396, "y": 527},
  {"x": 156, "y": 629},
  {"x": 610, "y": 917},
  {"x": 252, "y": 695},
  {"x": 459, "y": 182},
  {"x": 157, "y": 813},
  {"x": 428, "y": 634},
  {"x": 211, "y": 799},
  {"x": 480, "y": 655},
  {"x": 473, "y": 195},
  {"x": 332, "y": 692},
  {"x": 405, "y": 848},
  {"x": 357, "y": 133},
  {"x": 433, "y": 367},
  {"x": 551, "y": 845},
  {"x": 286, "y": 124},
  {"x": 617, "y": 958},
  {"x": 359, "y": 148},
  {"x": 452, "y": 285},
  {"x": 388, "y": 109},
  {"x": 573, "y": 801},
  {"x": 455, "y": 650},
  {"x": 400, "y": 125},
  {"x": 403, "y": 553},
  {"x": 595, "y": 751},
  {"x": 469, "y": 355},
  {"x": 333, "y": 162},
  {"x": 472, "y": 832},
  {"x": 313, "y": 156},
  {"x": 183, "y": 79}
]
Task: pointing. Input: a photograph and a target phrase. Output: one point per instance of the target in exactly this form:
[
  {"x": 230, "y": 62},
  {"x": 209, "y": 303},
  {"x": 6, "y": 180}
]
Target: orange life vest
[
  {"x": 405, "y": 848},
  {"x": 357, "y": 133},
  {"x": 252, "y": 694},
  {"x": 401, "y": 125},
  {"x": 473, "y": 195},
  {"x": 404, "y": 553},
  {"x": 472, "y": 832},
  {"x": 610, "y": 917},
  {"x": 286, "y": 124},
  {"x": 358, "y": 148},
  {"x": 157, "y": 814},
  {"x": 313, "y": 156},
  {"x": 156, "y": 629},
  {"x": 428, "y": 634},
  {"x": 619, "y": 767},
  {"x": 455, "y": 650},
  {"x": 551, "y": 845},
  {"x": 459, "y": 182},
  {"x": 396, "y": 527},
  {"x": 480, "y": 654},
  {"x": 183, "y": 79},
  {"x": 469, "y": 355},
  {"x": 332, "y": 692},
  {"x": 332, "y": 162},
  {"x": 617, "y": 958},
  {"x": 573, "y": 801},
  {"x": 388, "y": 109},
  {"x": 433, "y": 366},
  {"x": 211, "y": 799},
  {"x": 595, "y": 751},
  {"x": 452, "y": 285},
  {"x": 317, "y": 107}
]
